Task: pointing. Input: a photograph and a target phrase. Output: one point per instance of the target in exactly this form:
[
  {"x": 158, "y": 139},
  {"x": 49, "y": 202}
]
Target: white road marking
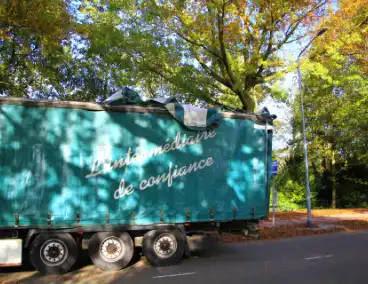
[
  {"x": 174, "y": 275},
  {"x": 319, "y": 256}
]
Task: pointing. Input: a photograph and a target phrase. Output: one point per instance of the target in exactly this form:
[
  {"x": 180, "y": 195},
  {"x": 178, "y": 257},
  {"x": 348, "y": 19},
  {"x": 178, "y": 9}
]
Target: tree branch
[
  {"x": 296, "y": 39},
  {"x": 365, "y": 22},
  {"x": 211, "y": 72},
  {"x": 247, "y": 40},
  {"x": 186, "y": 38},
  {"x": 292, "y": 28},
  {"x": 220, "y": 25},
  {"x": 197, "y": 44}
]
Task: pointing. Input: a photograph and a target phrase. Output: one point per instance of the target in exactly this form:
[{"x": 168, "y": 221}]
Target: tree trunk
[
  {"x": 251, "y": 105},
  {"x": 247, "y": 101},
  {"x": 250, "y": 81},
  {"x": 333, "y": 172}
]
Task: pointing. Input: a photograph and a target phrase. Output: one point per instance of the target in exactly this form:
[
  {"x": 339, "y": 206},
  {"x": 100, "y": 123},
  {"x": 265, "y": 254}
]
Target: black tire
[
  {"x": 103, "y": 260},
  {"x": 53, "y": 253},
  {"x": 171, "y": 252}
]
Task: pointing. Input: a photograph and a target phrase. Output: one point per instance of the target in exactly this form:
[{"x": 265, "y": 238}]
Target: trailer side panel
[{"x": 63, "y": 167}]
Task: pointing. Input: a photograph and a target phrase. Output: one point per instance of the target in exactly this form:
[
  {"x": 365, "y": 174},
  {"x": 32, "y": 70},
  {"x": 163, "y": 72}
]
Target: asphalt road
[{"x": 332, "y": 258}]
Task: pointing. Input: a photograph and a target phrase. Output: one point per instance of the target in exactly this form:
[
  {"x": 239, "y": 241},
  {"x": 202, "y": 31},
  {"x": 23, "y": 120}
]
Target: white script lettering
[
  {"x": 151, "y": 181},
  {"x": 168, "y": 177},
  {"x": 122, "y": 191},
  {"x": 100, "y": 167}
]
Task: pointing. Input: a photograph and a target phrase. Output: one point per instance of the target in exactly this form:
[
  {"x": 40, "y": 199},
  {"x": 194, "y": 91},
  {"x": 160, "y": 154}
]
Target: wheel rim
[
  {"x": 111, "y": 249},
  {"x": 165, "y": 245},
  {"x": 53, "y": 252}
]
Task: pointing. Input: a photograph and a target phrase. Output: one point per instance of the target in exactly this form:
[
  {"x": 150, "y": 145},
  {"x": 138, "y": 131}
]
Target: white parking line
[
  {"x": 319, "y": 256},
  {"x": 174, "y": 275}
]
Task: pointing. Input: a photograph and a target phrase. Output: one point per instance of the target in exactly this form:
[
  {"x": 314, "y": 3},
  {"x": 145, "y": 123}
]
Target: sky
[
  {"x": 282, "y": 110},
  {"x": 290, "y": 84}
]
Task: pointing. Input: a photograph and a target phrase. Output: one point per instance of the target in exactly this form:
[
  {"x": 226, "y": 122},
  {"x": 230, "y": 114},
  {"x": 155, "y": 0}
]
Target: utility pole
[{"x": 309, "y": 206}]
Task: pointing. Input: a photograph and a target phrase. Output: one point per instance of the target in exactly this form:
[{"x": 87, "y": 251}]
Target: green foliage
[
  {"x": 355, "y": 199},
  {"x": 337, "y": 86},
  {"x": 290, "y": 183},
  {"x": 221, "y": 52},
  {"x": 336, "y": 107},
  {"x": 285, "y": 204},
  {"x": 34, "y": 37}
]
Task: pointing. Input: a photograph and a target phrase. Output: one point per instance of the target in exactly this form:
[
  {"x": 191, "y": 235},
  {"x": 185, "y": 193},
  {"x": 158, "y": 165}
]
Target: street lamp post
[{"x": 309, "y": 209}]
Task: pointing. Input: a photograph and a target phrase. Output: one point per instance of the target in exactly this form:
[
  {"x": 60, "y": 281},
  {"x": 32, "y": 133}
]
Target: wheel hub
[
  {"x": 165, "y": 245},
  {"x": 111, "y": 249},
  {"x": 54, "y": 252}
]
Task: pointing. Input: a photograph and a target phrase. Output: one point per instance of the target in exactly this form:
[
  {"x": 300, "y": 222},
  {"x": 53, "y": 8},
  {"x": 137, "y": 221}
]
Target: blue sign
[{"x": 274, "y": 168}]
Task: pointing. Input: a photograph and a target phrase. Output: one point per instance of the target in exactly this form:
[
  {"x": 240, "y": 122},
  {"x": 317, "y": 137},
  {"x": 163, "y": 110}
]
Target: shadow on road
[{"x": 83, "y": 271}]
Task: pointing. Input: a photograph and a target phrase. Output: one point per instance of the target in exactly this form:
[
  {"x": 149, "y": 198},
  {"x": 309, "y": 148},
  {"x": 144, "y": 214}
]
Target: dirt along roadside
[{"x": 290, "y": 224}]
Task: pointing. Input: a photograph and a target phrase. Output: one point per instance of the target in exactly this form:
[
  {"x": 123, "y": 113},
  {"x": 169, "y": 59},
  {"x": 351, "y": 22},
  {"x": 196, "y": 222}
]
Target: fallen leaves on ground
[
  {"x": 317, "y": 213},
  {"x": 287, "y": 231}
]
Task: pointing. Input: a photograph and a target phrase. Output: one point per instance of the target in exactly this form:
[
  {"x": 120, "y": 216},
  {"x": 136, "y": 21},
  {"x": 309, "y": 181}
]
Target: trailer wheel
[
  {"x": 163, "y": 247},
  {"x": 53, "y": 253},
  {"x": 111, "y": 250}
]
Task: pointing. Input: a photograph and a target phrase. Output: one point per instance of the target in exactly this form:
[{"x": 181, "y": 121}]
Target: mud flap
[{"x": 201, "y": 242}]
